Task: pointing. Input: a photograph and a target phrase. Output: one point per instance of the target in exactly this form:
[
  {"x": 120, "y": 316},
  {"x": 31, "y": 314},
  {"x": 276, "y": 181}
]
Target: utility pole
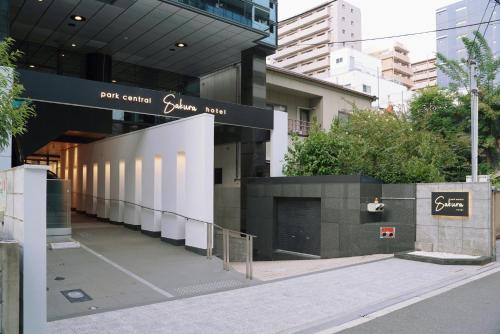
[{"x": 474, "y": 106}]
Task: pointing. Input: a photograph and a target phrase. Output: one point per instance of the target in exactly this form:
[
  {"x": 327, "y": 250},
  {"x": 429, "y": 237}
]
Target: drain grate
[{"x": 76, "y": 296}]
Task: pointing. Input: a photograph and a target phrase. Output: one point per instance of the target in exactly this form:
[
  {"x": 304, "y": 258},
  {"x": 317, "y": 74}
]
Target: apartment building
[
  {"x": 305, "y": 41},
  {"x": 396, "y": 64},
  {"x": 461, "y": 14},
  {"x": 362, "y": 72},
  {"x": 424, "y": 74}
]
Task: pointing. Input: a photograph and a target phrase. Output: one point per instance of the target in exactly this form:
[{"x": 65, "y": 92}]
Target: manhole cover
[{"x": 76, "y": 296}]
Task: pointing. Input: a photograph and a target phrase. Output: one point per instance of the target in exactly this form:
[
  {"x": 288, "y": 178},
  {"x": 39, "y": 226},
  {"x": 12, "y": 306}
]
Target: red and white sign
[{"x": 387, "y": 232}]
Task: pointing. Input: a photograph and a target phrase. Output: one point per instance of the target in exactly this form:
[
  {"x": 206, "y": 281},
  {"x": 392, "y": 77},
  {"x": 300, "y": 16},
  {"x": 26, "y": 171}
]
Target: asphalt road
[{"x": 473, "y": 308}]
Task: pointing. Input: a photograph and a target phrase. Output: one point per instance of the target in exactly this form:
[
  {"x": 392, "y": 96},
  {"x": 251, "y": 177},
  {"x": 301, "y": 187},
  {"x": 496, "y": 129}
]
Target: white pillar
[{"x": 279, "y": 142}]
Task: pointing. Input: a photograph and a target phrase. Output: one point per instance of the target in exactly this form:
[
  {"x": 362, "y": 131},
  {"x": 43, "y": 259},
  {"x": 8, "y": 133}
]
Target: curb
[{"x": 480, "y": 261}]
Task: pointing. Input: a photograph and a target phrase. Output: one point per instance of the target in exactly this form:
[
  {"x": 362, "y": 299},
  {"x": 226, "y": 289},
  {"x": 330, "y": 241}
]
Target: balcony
[
  {"x": 305, "y": 56},
  {"x": 314, "y": 65},
  {"x": 287, "y": 51},
  {"x": 299, "y": 127},
  {"x": 302, "y": 33},
  {"x": 303, "y": 21},
  {"x": 403, "y": 69}
]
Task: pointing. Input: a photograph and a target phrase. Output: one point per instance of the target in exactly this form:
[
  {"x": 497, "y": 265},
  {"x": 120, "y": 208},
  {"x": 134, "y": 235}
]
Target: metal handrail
[{"x": 210, "y": 230}]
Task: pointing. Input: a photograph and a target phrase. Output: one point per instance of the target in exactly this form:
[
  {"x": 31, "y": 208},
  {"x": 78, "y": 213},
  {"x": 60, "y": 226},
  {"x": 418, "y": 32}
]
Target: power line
[
  {"x": 489, "y": 21},
  {"x": 482, "y": 18},
  {"x": 402, "y": 35}
]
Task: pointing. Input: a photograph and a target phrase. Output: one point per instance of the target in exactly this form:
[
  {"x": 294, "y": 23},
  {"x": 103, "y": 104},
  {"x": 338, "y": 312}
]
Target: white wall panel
[{"x": 194, "y": 138}]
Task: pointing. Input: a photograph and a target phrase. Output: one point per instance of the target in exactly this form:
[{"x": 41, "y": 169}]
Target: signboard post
[{"x": 452, "y": 204}]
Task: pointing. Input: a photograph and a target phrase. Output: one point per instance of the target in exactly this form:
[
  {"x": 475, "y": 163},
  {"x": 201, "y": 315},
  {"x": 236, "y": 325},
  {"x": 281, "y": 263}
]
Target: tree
[
  {"x": 457, "y": 70},
  {"x": 448, "y": 111},
  {"x": 14, "y": 112},
  {"x": 438, "y": 111},
  {"x": 384, "y": 146}
]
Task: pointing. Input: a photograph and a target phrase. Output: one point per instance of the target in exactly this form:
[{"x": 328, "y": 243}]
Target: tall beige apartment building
[
  {"x": 305, "y": 41},
  {"x": 396, "y": 64},
  {"x": 424, "y": 74}
]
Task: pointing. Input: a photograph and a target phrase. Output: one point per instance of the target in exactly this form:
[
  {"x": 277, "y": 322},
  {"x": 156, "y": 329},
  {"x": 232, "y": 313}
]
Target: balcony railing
[{"x": 299, "y": 127}]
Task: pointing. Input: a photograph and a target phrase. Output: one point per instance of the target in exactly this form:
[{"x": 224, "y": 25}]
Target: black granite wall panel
[{"x": 346, "y": 227}]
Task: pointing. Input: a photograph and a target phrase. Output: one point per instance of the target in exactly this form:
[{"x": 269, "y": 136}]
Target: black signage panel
[
  {"x": 455, "y": 204},
  {"x": 74, "y": 91}
]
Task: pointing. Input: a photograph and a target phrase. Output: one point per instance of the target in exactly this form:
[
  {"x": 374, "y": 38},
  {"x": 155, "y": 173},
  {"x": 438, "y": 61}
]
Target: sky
[{"x": 385, "y": 18}]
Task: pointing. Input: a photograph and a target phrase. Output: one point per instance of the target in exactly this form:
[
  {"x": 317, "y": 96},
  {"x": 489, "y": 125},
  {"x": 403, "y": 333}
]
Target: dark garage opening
[{"x": 298, "y": 225}]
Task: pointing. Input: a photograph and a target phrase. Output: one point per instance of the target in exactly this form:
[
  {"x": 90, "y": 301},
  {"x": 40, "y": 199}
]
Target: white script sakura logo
[
  {"x": 172, "y": 105},
  {"x": 451, "y": 203}
]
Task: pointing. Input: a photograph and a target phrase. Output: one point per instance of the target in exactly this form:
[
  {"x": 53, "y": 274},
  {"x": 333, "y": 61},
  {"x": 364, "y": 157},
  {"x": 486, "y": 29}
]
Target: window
[
  {"x": 352, "y": 34},
  {"x": 352, "y": 10},
  {"x": 343, "y": 6},
  {"x": 343, "y": 18},
  {"x": 460, "y": 9},
  {"x": 343, "y": 31},
  {"x": 461, "y": 23},
  {"x": 367, "y": 89},
  {"x": 339, "y": 60},
  {"x": 321, "y": 59},
  {"x": 352, "y": 23},
  {"x": 343, "y": 116}
]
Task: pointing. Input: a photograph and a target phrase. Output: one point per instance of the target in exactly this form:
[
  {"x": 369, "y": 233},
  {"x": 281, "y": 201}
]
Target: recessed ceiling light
[
  {"x": 32, "y": 66},
  {"x": 181, "y": 44},
  {"x": 113, "y": 81},
  {"x": 78, "y": 18},
  {"x": 62, "y": 54},
  {"x": 73, "y": 44},
  {"x": 40, "y": 0}
]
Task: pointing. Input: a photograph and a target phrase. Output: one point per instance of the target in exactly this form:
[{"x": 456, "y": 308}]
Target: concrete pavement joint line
[
  {"x": 377, "y": 314},
  {"x": 129, "y": 273}
]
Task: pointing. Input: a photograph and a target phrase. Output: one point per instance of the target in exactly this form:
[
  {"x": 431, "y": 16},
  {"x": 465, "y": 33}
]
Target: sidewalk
[{"x": 283, "y": 306}]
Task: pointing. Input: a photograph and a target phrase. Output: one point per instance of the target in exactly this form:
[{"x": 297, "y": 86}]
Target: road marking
[
  {"x": 377, "y": 314},
  {"x": 129, "y": 273}
]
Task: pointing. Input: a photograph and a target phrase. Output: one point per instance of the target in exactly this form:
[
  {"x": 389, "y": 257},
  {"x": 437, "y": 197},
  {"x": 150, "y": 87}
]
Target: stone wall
[
  {"x": 227, "y": 207},
  {"x": 496, "y": 210},
  {"x": 346, "y": 228},
  {"x": 470, "y": 235}
]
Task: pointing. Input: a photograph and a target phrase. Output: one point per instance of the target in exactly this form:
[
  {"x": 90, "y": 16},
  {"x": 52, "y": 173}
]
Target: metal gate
[{"x": 299, "y": 225}]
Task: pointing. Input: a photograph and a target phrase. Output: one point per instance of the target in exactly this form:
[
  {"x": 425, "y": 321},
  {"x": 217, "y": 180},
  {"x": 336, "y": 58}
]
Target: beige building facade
[
  {"x": 306, "y": 99},
  {"x": 396, "y": 65},
  {"x": 305, "y": 41},
  {"x": 424, "y": 74}
]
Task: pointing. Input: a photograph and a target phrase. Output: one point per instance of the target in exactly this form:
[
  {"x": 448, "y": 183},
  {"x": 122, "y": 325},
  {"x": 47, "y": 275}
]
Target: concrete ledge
[
  {"x": 132, "y": 227},
  {"x": 480, "y": 261},
  {"x": 153, "y": 234},
  {"x": 196, "y": 250},
  {"x": 175, "y": 242}
]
